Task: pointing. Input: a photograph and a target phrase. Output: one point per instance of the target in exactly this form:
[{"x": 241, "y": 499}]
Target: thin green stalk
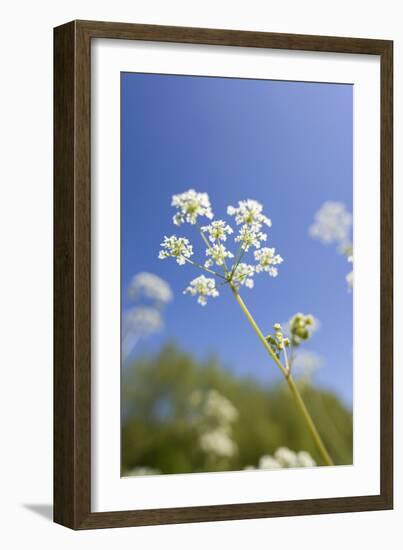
[
  {"x": 257, "y": 330},
  {"x": 294, "y": 390},
  {"x": 310, "y": 423},
  {"x": 205, "y": 268},
  {"x": 206, "y": 242}
]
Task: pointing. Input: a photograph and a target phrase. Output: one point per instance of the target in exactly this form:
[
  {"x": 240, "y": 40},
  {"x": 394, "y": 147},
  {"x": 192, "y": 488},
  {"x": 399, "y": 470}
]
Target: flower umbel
[
  {"x": 243, "y": 275},
  {"x": 191, "y": 205},
  {"x": 250, "y": 235},
  {"x": 176, "y": 247},
  {"x": 202, "y": 287},
  {"x": 218, "y": 253},
  {"x": 217, "y": 230},
  {"x": 267, "y": 258},
  {"x": 249, "y": 212}
]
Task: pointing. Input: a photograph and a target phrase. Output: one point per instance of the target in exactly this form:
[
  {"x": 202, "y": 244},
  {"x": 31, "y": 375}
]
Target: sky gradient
[{"x": 287, "y": 145}]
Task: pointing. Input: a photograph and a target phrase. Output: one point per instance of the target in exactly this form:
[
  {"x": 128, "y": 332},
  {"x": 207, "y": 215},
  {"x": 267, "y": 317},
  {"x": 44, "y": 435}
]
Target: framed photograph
[{"x": 222, "y": 275}]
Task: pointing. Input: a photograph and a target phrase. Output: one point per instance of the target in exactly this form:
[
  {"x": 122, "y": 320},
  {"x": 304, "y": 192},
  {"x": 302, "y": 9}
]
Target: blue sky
[{"x": 287, "y": 145}]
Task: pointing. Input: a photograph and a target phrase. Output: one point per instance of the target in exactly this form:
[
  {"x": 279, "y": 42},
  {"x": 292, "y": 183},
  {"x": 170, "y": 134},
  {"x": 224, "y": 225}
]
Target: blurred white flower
[
  {"x": 249, "y": 212},
  {"x": 202, "y": 287},
  {"x": 286, "y": 457},
  {"x": 214, "y": 417},
  {"x": 243, "y": 275},
  {"x": 267, "y": 258},
  {"x": 217, "y": 230},
  {"x": 139, "y": 322},
  {"x": 149, "y": 286},
  {"x": 267, "y": 462},
  {"x": 218, "y": 442},
  {"x": 191, "y": 205},
  {"x": 176, "y": 247},
  {"x": 219, "y": 407},
  {"x": 143, "y": 471},
  {"x": 305, "y": 460},
  {"x": 218, "y": 253},
  {"x": 332, "y": 224}
]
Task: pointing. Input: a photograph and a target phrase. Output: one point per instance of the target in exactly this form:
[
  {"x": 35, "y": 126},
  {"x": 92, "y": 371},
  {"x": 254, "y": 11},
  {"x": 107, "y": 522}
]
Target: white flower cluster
[
  {"x": 249, "y": 212},
  {"x": 217, "y": 230},
  {"x": 242, "y": 275},
  {"x": 203, "y": 287},
  {"x": 285, "y": 458},
  {"x": 218, "y": 253},
  {"x": 191, "y": 205},
  {"x": 267, "y": 258},
  {"x": 250, "y": 236},
  {"x": 216, "y": 414},
  {"x": 176, "y": 247},
  {"x": 249, "y": 216}
]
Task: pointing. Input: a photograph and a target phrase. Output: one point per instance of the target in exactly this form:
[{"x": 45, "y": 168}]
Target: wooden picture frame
[{"x": 72, "y": 272}]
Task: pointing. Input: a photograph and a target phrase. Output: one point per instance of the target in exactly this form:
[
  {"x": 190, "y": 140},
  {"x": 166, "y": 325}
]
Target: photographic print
[
  {"x": 236, "y": 274},
  {"x": 223, "y": 273}
]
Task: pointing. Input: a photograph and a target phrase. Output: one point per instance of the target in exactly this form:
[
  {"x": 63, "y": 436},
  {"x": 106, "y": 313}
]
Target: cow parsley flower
[
  {"x": 250, "y": 235},
  {"x": 267, "y": 258},
  {"x": 191, "y": 205},
  {"x": 243, "y": 275},
  {"x": 217, "y": 230},
  {"x": 176, "y": 247},
  {"x": 249, "y": 212},
  {"x": 202, "y": 287},
  {"x": 218, "y": 253}
]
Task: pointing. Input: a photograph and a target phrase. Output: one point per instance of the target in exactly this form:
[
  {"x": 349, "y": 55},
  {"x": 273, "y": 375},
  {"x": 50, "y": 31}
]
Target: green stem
[
  {"x": 206, "y": 242},
  {"x": 291, "y": 384},
  {"x": 257, "y": 330},
  {"x": 204, "y": 268},
  {"x": 310, "y": 423}
]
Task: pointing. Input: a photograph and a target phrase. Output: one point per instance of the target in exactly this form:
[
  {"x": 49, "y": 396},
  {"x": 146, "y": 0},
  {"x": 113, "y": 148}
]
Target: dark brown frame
[{"x": 72, "y": 268}]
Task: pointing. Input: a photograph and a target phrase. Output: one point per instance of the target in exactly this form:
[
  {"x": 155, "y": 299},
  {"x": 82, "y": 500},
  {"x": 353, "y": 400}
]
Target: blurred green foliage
[{"x": 157, "y": 427}]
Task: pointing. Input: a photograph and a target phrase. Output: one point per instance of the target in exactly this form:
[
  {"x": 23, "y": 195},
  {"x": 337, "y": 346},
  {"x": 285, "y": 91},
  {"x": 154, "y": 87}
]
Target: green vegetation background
[{"x": 157, "y": 430}]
